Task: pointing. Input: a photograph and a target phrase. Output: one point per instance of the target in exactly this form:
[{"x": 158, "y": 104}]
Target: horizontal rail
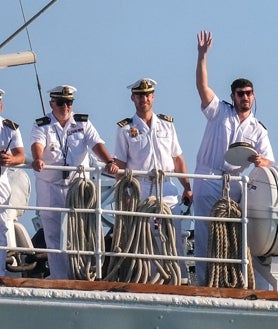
[{"x": 98, "y": 170}]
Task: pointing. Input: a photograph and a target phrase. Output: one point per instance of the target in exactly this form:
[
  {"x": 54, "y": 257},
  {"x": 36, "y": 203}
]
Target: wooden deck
[{"x": 139, "y": 288}]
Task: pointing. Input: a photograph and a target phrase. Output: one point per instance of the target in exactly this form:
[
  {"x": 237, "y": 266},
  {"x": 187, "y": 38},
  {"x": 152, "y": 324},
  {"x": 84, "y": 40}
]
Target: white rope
[
  {"x": 134, "y": 234},
  {"x": 81, "y": 228},
  {"x": 225, "y": 242}
]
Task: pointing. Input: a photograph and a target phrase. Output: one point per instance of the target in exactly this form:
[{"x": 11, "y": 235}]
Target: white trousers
[
  {"x": 206, "y": 193},
  {"x": 51, "y": 195},
  {"x": 3, "y": 240}
]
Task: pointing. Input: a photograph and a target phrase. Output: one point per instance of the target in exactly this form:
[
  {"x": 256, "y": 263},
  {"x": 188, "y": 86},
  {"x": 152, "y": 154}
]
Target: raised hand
[{"x": 204, "y": 41}]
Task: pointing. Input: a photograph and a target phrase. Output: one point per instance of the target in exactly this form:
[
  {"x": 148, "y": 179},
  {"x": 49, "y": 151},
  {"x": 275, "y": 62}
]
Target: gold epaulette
[
  {"x": 12, "y": 125},
  {"x": 43, "y": 121},
  {"x": 81, "y": 117},
  {"x": 165, "y": 117},
  {"x": 124, "y": 122}
]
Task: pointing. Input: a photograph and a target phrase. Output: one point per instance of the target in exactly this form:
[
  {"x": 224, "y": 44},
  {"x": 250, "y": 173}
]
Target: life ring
[{"x": 262, "y": 211}]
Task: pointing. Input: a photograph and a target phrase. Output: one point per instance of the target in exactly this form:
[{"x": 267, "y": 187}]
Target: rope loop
[
  {"x": 226, "y": 186},
  {"x": 226, "y": 191},
  {"x": 142, "y": 235},
  {"x": 157, "y": 179},
  {"x": 81, "y": 228},
  {"x": 80, "y": 170},
  {"x": 129, "y": 175},
  {"x": 225, "y": 242}
]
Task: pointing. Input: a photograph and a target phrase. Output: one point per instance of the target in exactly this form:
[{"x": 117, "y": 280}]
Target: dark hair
[{"x": 241, "y": 83}]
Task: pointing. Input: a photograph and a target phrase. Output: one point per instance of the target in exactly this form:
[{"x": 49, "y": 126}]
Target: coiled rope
[
  {"x": 225, "y": 242},
  {"x": 134, "y": 234},
  {"x": 81, "y": 228}
]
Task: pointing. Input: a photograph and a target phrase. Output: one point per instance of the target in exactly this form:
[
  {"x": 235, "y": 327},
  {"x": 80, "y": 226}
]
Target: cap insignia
[
  {"x": 144, "y": 85},
  {"x": 66, "y": 91}
]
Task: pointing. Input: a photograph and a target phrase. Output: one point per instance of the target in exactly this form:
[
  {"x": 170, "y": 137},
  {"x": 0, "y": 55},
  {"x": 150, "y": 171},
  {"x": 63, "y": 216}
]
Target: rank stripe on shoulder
[
  {"x": 12, "y": 125},
  {"x": 81, "y": 117},
  {"x": 166, "y": 117},
  {"x": 262, "y": 125},
  {"x": 124, "y": 122},
  {"x": 43, "y": 121},
  {"x": 227, "y": 103}
]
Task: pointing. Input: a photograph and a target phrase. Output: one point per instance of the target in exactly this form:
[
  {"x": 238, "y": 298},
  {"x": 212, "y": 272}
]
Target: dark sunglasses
[
  {"x": 241, "y": 93},
  {"x": 147, "y": 94},
  {"x": 61, "y": 102}
]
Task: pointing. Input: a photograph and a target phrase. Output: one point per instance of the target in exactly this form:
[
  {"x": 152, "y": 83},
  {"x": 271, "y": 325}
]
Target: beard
[{"x": 243, "y": 107}]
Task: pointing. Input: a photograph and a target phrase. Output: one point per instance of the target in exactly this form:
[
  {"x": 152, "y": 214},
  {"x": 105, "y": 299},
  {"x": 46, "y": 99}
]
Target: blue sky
[{"x": 102, "y": 46}]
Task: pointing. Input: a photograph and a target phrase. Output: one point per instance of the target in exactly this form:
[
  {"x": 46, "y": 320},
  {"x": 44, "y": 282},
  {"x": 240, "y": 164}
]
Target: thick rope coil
[
  {"x": 127, "y": 196},
  {"x": 225, "y": 242},
  {"x": 81, "y": 228},
  {"x": 134, "y": 234}
]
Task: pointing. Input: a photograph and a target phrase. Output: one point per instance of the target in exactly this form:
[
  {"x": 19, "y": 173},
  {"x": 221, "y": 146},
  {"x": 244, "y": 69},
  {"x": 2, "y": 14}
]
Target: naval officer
[
  {"x": 61, "y": 138},
  {"x": 11, "y": 153},
  {"x": 226, "y": 124},
  {"x": 149, "y": 141}
]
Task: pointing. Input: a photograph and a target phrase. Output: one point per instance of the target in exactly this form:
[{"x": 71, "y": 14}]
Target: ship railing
[{"x": 97, "y": 172}]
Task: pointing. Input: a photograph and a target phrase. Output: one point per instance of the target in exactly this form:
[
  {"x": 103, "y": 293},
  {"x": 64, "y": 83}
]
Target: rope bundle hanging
[
  {"x": 225, "y": 242},
  {"x": 134, "y": 234},
  {"x": 127, "y": 196},
  {"x": 81, "y": 228}
]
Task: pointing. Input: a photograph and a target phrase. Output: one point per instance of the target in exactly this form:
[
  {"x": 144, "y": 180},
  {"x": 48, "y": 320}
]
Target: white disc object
[
  {"x": 238, "y": 154},
  {"x": 262, "y": 211}
]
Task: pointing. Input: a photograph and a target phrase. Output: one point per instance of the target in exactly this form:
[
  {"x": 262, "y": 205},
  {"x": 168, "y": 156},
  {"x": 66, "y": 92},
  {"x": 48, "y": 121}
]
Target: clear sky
[{"x": 102, "y": 46}]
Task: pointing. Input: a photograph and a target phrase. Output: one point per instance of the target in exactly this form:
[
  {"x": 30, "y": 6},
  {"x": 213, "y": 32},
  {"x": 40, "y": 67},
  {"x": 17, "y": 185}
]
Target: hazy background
[{"x": 102, "y": 46}]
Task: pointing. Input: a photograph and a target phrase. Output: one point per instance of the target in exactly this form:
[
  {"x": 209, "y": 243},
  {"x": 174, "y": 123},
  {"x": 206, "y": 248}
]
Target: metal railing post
[
  {"x": 98, "y": 212},
  {"x": 245, "y": 261}
]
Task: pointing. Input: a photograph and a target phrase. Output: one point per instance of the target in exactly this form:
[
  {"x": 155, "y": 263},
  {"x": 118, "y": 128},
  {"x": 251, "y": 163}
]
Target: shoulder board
[
  {"x": 43, "y": 121},
  {"x": 12, "y": 125},
  {"x": 124, "y": 122},
  {"x": 262, "y": 125},
  {"x": 81, "y": 117},
  {"x": 227, "y": 103},
  {"x": 165, "y": 117}
]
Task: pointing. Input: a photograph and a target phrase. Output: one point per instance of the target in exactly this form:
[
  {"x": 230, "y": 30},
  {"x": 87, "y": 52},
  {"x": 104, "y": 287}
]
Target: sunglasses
[
  {"x": 61, "y": 102},
  {"x": 147, "y": 94},
  {"x": 241, "y": 93}
]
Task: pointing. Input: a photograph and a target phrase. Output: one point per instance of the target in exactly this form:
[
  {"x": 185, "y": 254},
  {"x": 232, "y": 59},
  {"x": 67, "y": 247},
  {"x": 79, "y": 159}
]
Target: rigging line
[
  {"x": 27, "y": 23},
  {"x": 35, "y": 66}
]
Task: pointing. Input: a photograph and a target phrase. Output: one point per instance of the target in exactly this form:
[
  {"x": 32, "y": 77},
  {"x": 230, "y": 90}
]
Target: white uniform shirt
[
  {"x": 152, "y": 148},
  {"x": 73, "y": 140},
  {"x": 9, "y": 138},
  {"x": 224, "y": 128}
]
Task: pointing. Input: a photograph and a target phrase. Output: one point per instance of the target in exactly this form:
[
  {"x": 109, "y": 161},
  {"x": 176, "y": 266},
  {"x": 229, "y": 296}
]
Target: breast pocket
[
  {"x": 52, "y": 142},
  {"x": 76, "y": 139},
  {"x": 161, "y": 134},
  {"x": 224, "y": 131},
  {"x": 164, "y": 141},
  {"x": 137, "y": 144}
]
